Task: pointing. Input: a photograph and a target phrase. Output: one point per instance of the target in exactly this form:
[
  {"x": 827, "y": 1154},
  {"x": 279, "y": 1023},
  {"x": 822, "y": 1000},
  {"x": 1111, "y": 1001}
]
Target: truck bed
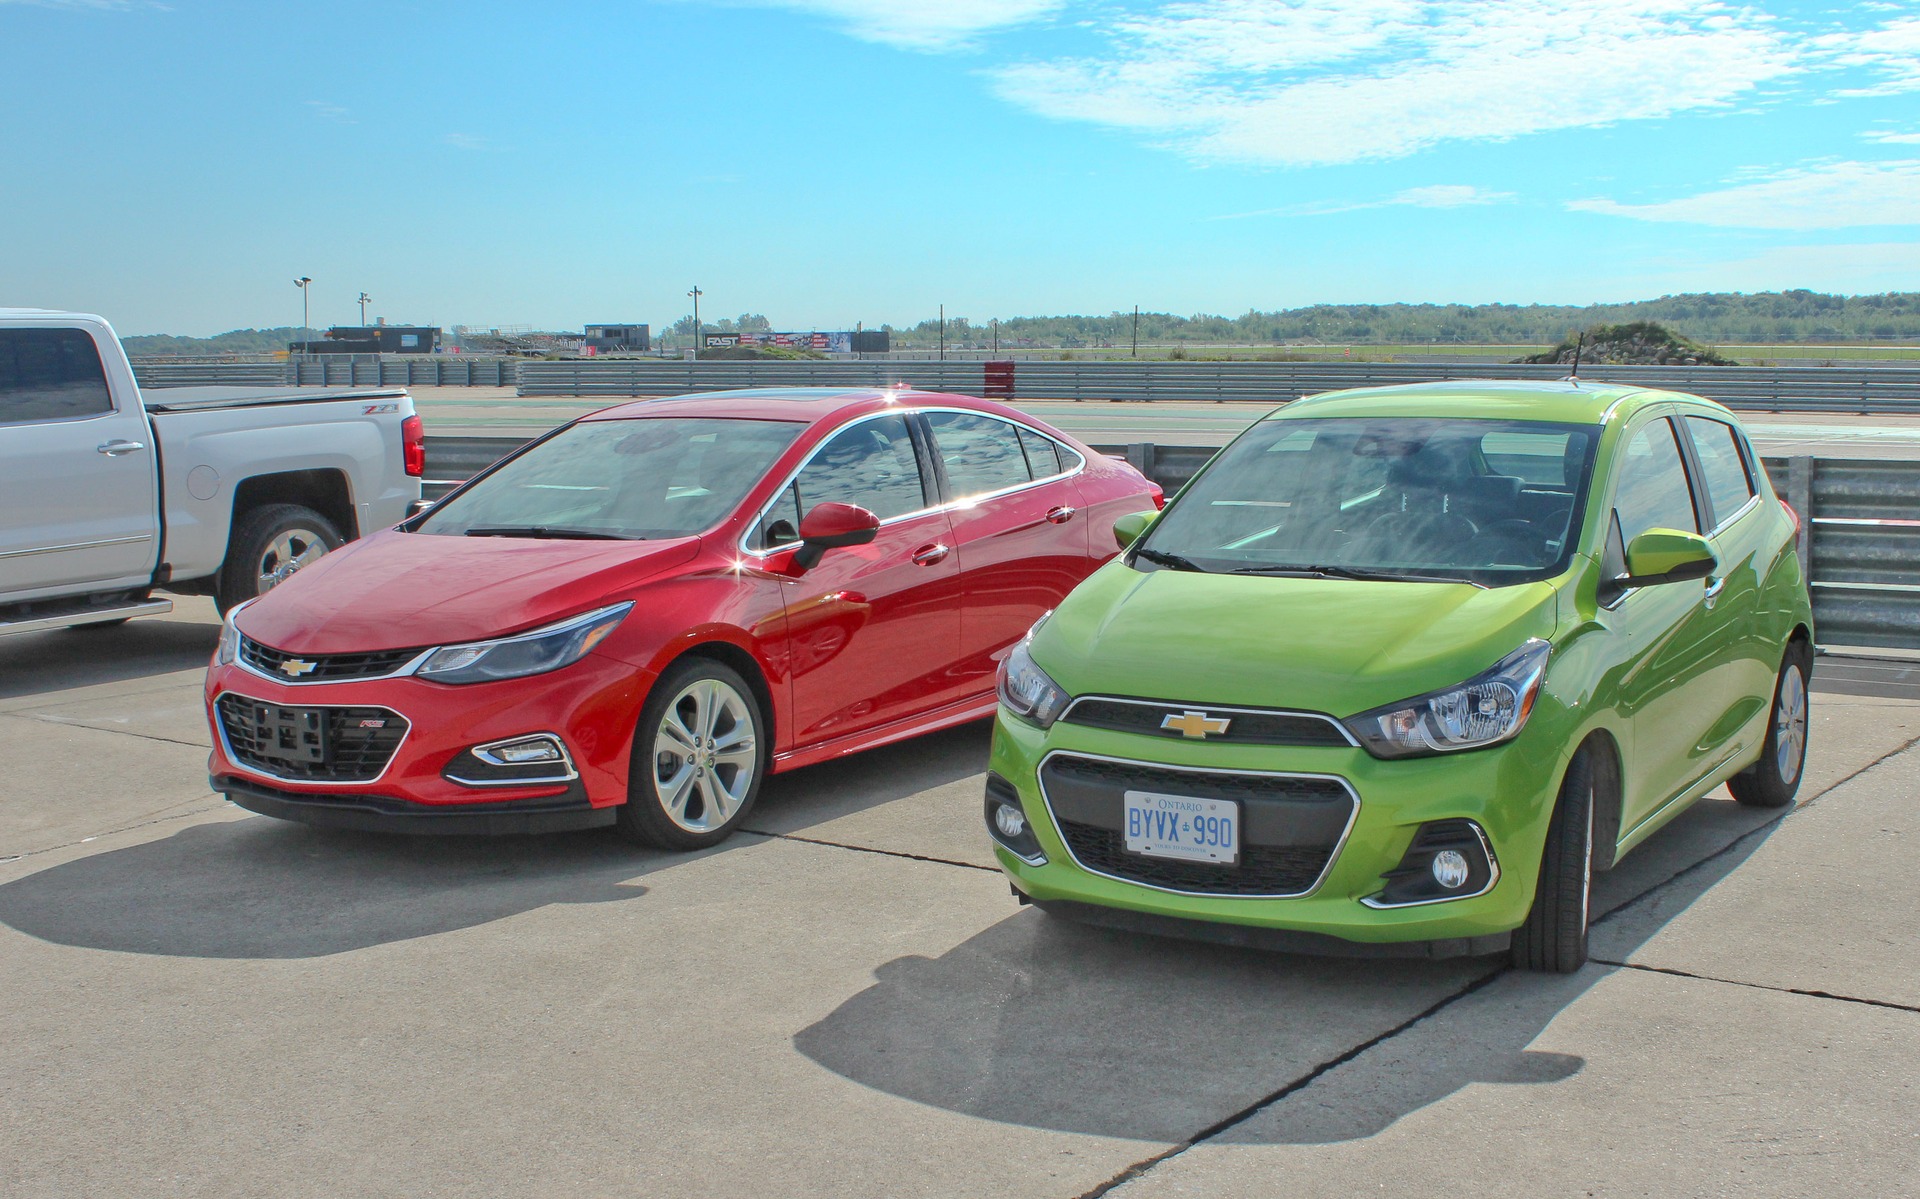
[{"x": 198, "y": 399}]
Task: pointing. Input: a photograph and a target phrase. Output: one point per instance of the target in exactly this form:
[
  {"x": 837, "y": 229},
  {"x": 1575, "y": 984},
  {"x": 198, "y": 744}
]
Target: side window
[
  {"x": 1721, "y": 465},
  {"x": 871, "y": 464},
  {"x": 50, "y": 374},
  {"x": 980, "y": 454},
  {"x": 1652, "y": 493},
  {"x": 1043, "y": 455}
]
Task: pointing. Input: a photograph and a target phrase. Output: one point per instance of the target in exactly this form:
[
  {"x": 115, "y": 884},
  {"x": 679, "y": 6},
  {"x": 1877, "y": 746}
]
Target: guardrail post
[
  {"x": 1800, "y": 495},
  {"x": 1140, "y": 456}
]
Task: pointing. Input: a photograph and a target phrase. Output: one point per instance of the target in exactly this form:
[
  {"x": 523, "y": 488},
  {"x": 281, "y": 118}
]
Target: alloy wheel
[
  {"x": 291, "y": 550},
  {"x": 1790, "y": 725},
  {"x": 704, "y": 755}
]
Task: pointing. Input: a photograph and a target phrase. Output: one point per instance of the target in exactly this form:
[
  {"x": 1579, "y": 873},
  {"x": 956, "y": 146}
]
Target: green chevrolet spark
[{"x": 1402, "y": 667}]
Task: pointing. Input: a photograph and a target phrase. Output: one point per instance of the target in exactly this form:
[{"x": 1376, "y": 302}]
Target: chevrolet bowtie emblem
[
  {"x": 295, "y": 667},
  {"x": 1197, "y": 725}
]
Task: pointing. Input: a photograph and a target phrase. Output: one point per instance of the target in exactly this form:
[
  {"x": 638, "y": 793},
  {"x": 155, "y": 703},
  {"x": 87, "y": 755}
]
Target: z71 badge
[{"x": 379, "y": 409}]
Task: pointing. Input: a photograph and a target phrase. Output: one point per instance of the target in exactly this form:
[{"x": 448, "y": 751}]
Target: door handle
[
  {"x": 927, "y": 555},
  {"x": 1713, "y": 589},
  {"x": 1061, "y": 515},
  {"x": 117, "y": 447}
]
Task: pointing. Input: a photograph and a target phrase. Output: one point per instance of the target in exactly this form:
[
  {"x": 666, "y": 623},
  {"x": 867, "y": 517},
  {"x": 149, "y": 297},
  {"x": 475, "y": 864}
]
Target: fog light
[
  {"x": 1450, "y": 869},
  {"x": 525, "y": 752},
  {"x": 1011, "y": 823}
]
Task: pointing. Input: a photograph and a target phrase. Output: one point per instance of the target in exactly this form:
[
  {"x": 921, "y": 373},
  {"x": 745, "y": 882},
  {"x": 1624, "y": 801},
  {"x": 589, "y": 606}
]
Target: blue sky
[{"x": 175, "y": 165}]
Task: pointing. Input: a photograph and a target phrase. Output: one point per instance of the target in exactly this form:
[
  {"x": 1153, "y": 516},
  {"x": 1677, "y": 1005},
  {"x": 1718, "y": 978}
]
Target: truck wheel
[
  {"x": 268, "y": 544},
  {"x": 1772, "y": 781},
  {"x": 699, "y": 753},
  {"x": 1554, "y": 938}
]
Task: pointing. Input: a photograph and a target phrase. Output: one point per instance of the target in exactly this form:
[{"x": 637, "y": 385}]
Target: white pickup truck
[{"x": 107, "y": 496}]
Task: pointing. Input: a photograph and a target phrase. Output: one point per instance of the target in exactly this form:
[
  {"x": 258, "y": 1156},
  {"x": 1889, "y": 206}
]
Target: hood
[
  {"x": 400, "y": 590},
  {"x": 1338, "y": 646}
]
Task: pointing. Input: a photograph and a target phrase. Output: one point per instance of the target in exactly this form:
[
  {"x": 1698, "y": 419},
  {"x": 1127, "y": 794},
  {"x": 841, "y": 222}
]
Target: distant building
[
  {"x": 373, "y": 339},
  {"x": 606, "y": 339}
]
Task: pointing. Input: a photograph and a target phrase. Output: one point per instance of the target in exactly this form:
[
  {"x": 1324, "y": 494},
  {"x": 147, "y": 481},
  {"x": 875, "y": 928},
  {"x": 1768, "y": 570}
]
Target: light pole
[
  {"x": 364, "y": 300},
  {"x": 301, "y": 283},
  {"x": 1136, "y": 330},
  {"x": 943, "y": 332},
  {"x": 696, "y": 293},
  {"x": 996, "y": 335}
]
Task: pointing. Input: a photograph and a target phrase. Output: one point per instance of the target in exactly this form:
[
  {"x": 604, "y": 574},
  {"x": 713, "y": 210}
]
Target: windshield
[
  {"x": 1481, "y": 501},
  {"x": 651, "y": 478}
]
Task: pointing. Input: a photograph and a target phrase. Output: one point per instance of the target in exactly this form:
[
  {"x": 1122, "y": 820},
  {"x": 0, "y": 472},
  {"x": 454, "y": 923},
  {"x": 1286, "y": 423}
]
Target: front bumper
[
  {"x": 425, "y": 781},
  {"x": 1507, "y": 792}
]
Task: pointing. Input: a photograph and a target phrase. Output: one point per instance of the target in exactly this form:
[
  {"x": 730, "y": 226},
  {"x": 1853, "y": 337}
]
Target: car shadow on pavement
[
  {"x": 261, "y": 888},
  {"x": 1040, "y": 1022},
  {"x": 91, "y": 655},
  {"x": 816, "y": 794}
]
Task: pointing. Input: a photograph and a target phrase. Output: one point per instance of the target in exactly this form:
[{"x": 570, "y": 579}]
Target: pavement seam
[
  {"x": 1759, "y": 831},
  {"x": 1140, "y": 1168},
  {"x": 69, "y": 724},
  {"x": 889, "y": 853},
  {"x": 8, "y": 859},
  {"x": 1736, "y": 982}
]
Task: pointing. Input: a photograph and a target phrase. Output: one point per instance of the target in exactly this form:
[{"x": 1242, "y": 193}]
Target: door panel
[
  {"x": 76, "y": 472},
  {"x": 1020, "y": 550}
]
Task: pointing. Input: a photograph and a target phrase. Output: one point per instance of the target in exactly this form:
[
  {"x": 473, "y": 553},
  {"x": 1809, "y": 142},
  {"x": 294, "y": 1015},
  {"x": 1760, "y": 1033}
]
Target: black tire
[
  {"x": 1775, "y": 778},
  {"x": 1554, "y": 938},
  {"x": 719, "y": 775},
  {"x": 258, "y": 557}
]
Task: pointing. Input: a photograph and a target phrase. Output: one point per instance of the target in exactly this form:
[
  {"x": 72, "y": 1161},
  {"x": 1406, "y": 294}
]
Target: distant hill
[
  {"x": 1642, "y": 343},
  {"x": 240, "y": 341},
  {"x": 1766, "y": 317}
]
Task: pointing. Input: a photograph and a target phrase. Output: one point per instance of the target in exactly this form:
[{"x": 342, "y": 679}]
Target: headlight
[
  {"x": 515, "y": 657},
  {"x": 1026, "y": 690},
  {"x": 1485, "y": 710},
  {"x": 229, "y": 650}
]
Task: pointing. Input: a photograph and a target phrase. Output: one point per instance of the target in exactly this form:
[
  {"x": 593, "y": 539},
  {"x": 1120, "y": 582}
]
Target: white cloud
[
  {"x": 1895, "y": 139},
  {"x": 923, "y": 24},
  {"x": 336, "y": 113},
  {"x": 1438, "y": 195},
  {"x": 1834, "y": 195},
  {"x": 1890, "y": 50},
  {"x": 1334, "y": 81}
]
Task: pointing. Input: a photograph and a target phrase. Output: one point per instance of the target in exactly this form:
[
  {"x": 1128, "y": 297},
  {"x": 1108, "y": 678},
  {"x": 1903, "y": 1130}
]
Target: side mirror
[
  {"x": 831, "y": 526},
  {"x": 1128, "y": 528},
  {"x": 1668, "y": 556}
]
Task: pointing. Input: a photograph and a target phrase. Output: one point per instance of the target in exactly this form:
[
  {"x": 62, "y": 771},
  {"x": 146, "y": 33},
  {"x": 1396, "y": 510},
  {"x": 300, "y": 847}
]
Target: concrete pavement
[{"x": 847, "y": 1002}]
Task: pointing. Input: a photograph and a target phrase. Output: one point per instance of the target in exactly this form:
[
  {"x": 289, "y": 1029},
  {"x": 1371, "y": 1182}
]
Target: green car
[{"x": 1402, "y": 667}]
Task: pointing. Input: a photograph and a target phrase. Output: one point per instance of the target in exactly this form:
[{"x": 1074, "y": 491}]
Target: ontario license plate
[{"x": 1182, "y": 826}]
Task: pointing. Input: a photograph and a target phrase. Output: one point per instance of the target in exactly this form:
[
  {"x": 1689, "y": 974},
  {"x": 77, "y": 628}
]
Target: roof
[
  {"x": 1574, "y": 402},
  {"x": 789, "y": 403}
]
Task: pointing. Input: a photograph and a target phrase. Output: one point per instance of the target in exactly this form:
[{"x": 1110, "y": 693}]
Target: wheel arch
[
  {"x": 1604, "y": 752},
  {"x": 326, "y": 490},
  {"x": 742, "y": 660}
]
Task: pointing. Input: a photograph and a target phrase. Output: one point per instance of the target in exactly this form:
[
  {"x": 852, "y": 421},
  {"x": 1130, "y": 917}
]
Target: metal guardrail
[
  {"x": 332, "y": 370},
  {"x": 1774, "y": 389},
  {"x": 1860, "y": 536}
]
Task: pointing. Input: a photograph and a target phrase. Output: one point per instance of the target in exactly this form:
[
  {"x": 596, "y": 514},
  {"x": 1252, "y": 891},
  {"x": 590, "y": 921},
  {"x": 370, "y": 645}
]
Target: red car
[{"x": 635, "y": 618}]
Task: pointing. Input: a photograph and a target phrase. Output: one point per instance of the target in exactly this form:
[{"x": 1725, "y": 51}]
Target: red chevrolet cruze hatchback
[{"x": 635, "y": 618}]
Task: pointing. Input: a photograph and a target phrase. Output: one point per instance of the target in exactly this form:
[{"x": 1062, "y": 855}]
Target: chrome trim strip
[
  {"x": 1486, "y": 847},
  {"x": 77, "y": 545},
  {"x": 40, "y": 624},
  {"x": 1332, "y": 858},
  {"x": 1169, "y": 703},
  {"x": 746, "y": 534},
  {"x": 479, "y": 751},
  {"x": 1736, "y": 514},
  {"x": 226, "y": 747},
  {"x": 405, "y": 668}
]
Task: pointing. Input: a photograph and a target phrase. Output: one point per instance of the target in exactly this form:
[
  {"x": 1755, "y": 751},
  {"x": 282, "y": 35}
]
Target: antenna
[{"x": 1578, "y": 346}]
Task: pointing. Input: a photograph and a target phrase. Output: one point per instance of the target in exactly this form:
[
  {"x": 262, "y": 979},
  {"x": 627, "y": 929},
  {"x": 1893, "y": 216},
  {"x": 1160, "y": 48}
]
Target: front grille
[
  {"x": 321, "y": 745},
  {"x": 328, "y": 668},
  {"x": 1243, "y": 727},
  {"x": 1263, "y": 870},
  {"x": 1290, "y": 825}
]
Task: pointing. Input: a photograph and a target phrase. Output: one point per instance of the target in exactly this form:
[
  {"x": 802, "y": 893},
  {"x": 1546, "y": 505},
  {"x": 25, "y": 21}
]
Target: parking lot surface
[{"x": 847, "y": 1002}]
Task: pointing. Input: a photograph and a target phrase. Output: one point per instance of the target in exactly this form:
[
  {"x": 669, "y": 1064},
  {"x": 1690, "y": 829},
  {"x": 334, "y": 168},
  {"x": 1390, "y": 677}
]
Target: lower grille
[
  {"x": 1290, "y": 825},
  {"x": 320, "y": 745}
]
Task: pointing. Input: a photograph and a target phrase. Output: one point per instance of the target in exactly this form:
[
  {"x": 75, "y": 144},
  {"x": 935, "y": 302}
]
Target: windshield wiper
[
  {"x": 1347, "y": 572},
  {"x": 552, "y": 532},
  {"x": 1170, "y": 561}
]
